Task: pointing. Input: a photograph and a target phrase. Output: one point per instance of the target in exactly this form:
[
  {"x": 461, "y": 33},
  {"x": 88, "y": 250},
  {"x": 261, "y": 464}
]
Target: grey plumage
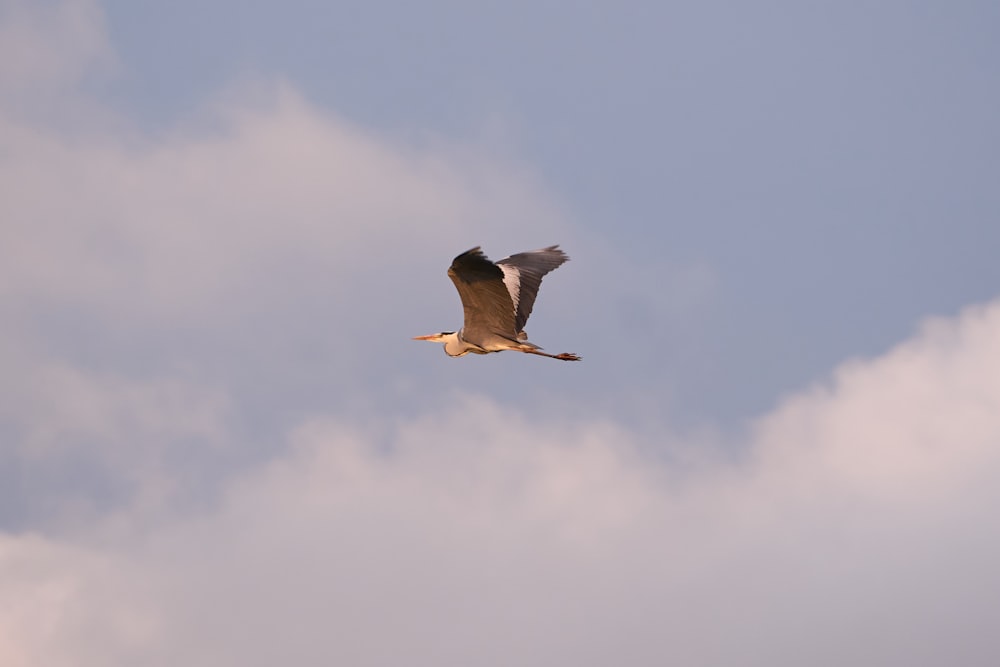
[
  {"x": 532, "y": 266},
  {"x": 498, "y": 299}
]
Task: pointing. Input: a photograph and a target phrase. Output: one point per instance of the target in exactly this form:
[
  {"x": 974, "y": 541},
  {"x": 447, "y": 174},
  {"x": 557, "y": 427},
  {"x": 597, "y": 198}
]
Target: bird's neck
[{"x": 454, "y": 345}]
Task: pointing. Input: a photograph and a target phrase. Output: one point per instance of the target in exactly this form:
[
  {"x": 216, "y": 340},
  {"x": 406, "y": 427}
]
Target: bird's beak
[{"x": 430, "y": 337}]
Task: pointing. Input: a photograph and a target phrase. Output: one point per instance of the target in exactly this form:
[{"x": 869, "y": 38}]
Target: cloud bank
[
  {"x": 186, "y": 482},
  {"x": 856, "y": 527}
]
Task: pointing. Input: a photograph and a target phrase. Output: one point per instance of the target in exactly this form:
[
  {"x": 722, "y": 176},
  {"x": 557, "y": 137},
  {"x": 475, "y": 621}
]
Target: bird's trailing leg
[{"x": 565, "y": 356}]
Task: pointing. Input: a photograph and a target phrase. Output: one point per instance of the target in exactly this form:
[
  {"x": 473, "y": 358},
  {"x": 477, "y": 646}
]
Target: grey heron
[{"x": 497, "y": 299}]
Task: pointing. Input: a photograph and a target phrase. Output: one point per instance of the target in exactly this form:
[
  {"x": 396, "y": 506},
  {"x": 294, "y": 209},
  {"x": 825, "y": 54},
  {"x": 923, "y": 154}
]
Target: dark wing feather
[
  {"x": 531, "y": 267},
  {"x": 488, "y": 307}
]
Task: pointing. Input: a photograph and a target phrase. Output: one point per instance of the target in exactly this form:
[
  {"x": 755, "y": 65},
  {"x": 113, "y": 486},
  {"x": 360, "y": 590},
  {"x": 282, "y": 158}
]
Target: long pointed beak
[{"x": 430, "y": 337}]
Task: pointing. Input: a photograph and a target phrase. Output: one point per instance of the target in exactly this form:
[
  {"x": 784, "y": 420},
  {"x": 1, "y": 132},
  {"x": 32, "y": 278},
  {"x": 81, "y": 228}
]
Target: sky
[{"x": 221, "y": 225}]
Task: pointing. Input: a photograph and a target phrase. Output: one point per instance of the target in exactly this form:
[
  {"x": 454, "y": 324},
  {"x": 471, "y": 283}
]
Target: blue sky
[{"x": 222, "y": 224}]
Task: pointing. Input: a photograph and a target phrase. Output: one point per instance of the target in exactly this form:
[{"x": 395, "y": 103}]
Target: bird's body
[{"x": 497, "y": 299}]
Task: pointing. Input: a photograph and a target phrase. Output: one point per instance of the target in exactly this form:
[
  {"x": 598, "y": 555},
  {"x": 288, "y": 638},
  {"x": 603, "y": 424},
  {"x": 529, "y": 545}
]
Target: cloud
[
  {"x": 223, "y": 278},
  {"x": 154, "y": 286},
  {"x": 882, "y": 426},
  {"x": 51, "y": 44},
  {"x": 258, "y": 196},
  {"x": 188, "y": 322},
  {"x": 49, "y": 53},
  {"x": 199, "y": 218},
  {"x": 47, "y": 610},
  {"x": 262, "y": 212},
  {"x": 855, "y": 527}
]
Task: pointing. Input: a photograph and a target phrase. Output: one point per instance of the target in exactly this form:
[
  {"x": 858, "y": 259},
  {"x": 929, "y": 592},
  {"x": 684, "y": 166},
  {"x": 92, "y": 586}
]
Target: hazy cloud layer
[
  {"x": 855, "y": 527},
  {"x": 219, "y": 447}
]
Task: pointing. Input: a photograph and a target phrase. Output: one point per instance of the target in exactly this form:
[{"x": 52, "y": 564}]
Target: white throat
[{"x": 454, "y": 346}]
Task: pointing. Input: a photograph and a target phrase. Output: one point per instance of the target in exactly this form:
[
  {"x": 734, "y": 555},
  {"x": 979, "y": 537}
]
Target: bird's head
[{"x": 452, "y": 346}]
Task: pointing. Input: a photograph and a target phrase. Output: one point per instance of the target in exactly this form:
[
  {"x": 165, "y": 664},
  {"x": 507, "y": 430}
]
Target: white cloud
[
  {"x": 49, "y": 44},
  {"x": 853, "y": 525},
  {"x": 259, "y": 197},
  {"x": 63, "y": 605},
  {"x": 148, "y": 284},
  {"x": 199, "y": 218},
  {"x": 60, "y": 404},
  {"x": 882, "y": 427},
  {"x": 49, "y": 52},
  {"x": 856, "y": 529}
]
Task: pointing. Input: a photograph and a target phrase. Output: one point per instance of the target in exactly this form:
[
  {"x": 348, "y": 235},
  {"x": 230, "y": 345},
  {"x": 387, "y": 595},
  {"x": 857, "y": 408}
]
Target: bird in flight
[{"x": 497, "y": 299}]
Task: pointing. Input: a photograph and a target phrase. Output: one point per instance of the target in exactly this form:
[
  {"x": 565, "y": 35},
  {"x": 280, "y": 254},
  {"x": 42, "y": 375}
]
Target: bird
[{"x": 497, "y": 299}]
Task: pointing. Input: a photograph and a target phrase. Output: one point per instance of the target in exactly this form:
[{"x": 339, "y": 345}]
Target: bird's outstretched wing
[
  {"x": 523, "y": 274},
  {"x": 485, "y": 298}
]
